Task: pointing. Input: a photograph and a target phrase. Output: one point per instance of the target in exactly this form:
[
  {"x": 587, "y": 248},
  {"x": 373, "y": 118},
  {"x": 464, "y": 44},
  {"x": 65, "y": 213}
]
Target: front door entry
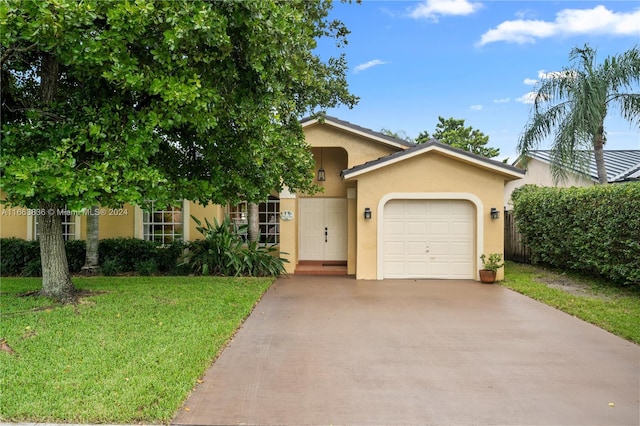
[{"x": 323, "y": 229}]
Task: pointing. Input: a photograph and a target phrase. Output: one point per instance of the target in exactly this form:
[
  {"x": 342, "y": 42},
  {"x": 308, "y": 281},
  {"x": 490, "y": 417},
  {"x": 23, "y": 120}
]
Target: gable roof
[
  {"x": 352, "y": 128},
  {"x": 621, "y": 165},
  {"x": 434, "y": 145}
]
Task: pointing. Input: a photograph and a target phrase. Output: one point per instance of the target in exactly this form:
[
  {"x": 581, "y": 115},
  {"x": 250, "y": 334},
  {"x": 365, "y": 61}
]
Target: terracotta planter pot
[{"x": 487, "y": 277}]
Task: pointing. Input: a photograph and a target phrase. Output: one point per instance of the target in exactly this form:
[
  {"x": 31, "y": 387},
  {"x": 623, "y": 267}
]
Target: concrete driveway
[{"x": 336, "y": 351}]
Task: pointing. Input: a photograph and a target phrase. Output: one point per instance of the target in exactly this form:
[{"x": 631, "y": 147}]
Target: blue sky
[{"x": 412, "y": 61}]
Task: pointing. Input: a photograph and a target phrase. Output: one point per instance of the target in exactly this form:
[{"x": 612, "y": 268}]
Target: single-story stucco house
[
  {"x": 621, "y": 165},
  {"x": 389, "y": 209}
]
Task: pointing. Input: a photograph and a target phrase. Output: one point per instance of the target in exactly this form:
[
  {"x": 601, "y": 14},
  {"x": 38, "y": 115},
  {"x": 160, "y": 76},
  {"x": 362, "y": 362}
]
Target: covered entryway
[
  {"x": 428, "y": 239},
  {"x": 323, "y": 229}
]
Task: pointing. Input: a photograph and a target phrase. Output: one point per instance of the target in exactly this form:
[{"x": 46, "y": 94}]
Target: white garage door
[{"x": 429, "y": 239}]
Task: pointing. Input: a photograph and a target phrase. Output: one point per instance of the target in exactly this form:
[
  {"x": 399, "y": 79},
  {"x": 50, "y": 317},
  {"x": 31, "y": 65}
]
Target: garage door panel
[
  {"x": 394, "y": 227},
  {"x": 414, "y": 227},
  {"x": 428, "y": 239},
  {"x": 462, "y": 228},
  {"x": 439, "y": 228},
  {"x": 461, "y": 249},
  {"x": 439, "y": 248},
  {"x": 414, "y": 209},
  {"x": 395, "y": 248},
  {"x": 416, "y": 248},
  {"x": 416, "y": 269}
]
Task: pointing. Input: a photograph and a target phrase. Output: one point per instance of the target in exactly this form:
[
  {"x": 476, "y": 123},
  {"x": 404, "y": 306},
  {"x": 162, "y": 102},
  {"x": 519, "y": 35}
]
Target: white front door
[
  {"x": 323, "y": 229},
  {"x": 429, "y": 239}
]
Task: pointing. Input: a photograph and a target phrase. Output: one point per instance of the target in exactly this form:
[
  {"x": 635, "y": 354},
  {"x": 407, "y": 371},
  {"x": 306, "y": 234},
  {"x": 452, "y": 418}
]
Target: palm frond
[
  {"x": 629, "y": 105},
  {"x": 541, "y": 126},
  {"x": 622, "y": 72}
]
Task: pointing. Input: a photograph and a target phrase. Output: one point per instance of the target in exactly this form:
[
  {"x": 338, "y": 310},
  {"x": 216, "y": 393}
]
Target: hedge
[
  {"x": 594, "y": 229},
  {"x": 22, "y": 257}
]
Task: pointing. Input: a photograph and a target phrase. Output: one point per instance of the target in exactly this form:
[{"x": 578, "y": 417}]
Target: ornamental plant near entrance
[{"x": 490, "y": 265}]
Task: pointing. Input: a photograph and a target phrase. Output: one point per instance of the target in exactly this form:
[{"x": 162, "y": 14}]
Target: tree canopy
[
  {"x": 571, "y": 106},
  {"x": 453, "y": 132},
  {"x": 112, "y": 102}
]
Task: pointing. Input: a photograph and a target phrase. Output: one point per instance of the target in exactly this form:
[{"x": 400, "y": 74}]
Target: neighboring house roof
[
  {"x": 621, "y": 165},
  {"x": 434, "y": 145},
  {"x": 345, "y": 125}
]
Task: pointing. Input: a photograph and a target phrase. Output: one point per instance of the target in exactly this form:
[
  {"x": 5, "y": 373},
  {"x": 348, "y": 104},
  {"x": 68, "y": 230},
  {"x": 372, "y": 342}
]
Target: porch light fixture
[
  {"x": 367, "y": 213},
  {"x": 321, "y": 174},
  {"x": 495, "y": 213}
]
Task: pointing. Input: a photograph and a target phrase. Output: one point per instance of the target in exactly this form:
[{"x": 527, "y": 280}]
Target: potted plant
[{"x": 490, "y": 264}]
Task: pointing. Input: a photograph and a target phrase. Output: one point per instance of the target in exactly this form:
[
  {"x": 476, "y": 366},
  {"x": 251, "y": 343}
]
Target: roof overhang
[
  {"x": 508, "y": 171},
  {"x": 357, "y": 130}
]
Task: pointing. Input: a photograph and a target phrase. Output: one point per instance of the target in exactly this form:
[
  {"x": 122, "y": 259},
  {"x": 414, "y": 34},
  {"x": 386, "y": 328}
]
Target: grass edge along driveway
[
  {"x": 615, "y": 309},
  {"x": 130, "y": 351}
]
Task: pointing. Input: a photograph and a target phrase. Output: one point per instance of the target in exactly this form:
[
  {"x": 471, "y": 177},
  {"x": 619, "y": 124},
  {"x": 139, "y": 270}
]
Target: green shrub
[
  {"x": 223, "y": 252},
  {"x": 15, "y": 253},
  {"x": 33, "y": 268},
  {"x": 167, "y": 258},
  {"x": 18, "y": 255},
  {"x": 110, "y": 267},
  {"x": 147, "y": 267},
  {"x": 76, "y": 254},
  {"x": 594, "y": 229},
  {"x": 127, "y": 251}
]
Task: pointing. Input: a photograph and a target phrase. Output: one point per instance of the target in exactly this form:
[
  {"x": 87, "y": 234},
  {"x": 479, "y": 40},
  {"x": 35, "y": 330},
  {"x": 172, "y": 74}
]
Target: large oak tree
[{"x": 105, "y": 103}]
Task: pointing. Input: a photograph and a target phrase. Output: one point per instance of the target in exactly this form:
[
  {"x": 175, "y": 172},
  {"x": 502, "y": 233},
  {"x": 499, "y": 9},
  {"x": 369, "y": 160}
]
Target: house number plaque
[{"x": 286, "y": 215}]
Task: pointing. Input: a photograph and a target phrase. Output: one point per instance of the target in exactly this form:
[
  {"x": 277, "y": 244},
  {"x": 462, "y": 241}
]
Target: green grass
[
  {"x": 614, "y": 309},
  {"x": 130, "y": 354}
]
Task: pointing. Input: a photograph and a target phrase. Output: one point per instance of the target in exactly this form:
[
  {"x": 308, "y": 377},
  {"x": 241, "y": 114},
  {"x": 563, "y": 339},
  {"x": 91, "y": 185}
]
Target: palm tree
[
  {"x": 574, "y": 103},
  {"x": 91, "y": 263}
]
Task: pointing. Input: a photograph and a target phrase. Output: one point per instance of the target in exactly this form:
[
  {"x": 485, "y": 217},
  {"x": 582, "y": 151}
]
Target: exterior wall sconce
[
  {"x": 495, "y": 213},
  {"x": 367, "y": 213},
  {"x": 321, "y": 174}
]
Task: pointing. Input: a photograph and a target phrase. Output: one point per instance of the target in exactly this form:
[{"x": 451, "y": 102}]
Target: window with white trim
[
  {"x": 268, "y": 219},
  {"x": 162, "y": 226},
  {"x": 69, "y": 225}
]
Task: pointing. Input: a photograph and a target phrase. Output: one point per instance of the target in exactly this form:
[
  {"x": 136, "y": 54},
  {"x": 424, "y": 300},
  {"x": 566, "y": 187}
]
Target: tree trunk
[
  {"x": 253, "y": 218},
  {"x": 56, "y": 281},
  {"x": 598, "y": 151},
  {"x": 91, "y": 263}
]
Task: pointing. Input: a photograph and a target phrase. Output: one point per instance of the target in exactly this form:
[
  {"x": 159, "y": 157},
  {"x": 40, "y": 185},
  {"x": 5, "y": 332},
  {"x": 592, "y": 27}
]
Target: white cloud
[
  {"x": 502, "y": 101},
  {"x": 433, "y": 9},
  {"x": 542, "y": 74},
  {"x": 368, "y": 65},
  {"x": 476, "y": 107},
  {"x": 526, "y": 13},
  {"x": 530, "y": 81},
  {"x": 568, "y": 22},
  {"x": 527, "y": 98}
]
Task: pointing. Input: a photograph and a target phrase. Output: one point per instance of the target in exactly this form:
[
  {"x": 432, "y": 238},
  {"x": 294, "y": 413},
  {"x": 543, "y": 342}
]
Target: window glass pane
[
  {"x": 163, "y": 226},
  {"x": 268, "y": 219}
]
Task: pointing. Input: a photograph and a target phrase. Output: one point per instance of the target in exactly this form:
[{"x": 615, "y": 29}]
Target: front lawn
[
  {"x": 612, "y": 308},
  {"x": 130, "y": 351}
]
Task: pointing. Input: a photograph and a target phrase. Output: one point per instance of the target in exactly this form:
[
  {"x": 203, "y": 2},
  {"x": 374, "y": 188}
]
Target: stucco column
[{"x": 289, "y": 229}]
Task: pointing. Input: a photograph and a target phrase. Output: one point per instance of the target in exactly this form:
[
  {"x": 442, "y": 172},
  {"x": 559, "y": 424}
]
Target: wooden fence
[{"x": 514, "y": 247}]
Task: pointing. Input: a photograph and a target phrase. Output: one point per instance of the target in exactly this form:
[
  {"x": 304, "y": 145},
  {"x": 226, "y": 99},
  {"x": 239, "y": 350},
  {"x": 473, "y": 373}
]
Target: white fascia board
[{"x": 464, "y": 158}]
